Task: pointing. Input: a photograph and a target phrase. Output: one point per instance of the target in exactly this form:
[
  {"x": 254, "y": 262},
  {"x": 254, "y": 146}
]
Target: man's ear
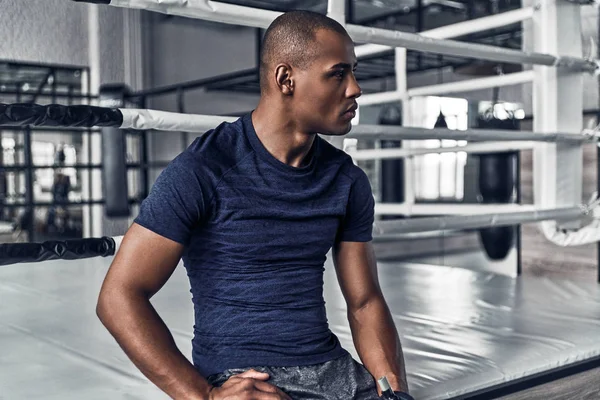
[{"x": 284, "y": 79}]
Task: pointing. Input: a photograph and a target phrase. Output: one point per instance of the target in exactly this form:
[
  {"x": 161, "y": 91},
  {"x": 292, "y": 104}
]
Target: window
[
  {"x": 25, "y": 202},
  {"x": 440, "y": 176}
]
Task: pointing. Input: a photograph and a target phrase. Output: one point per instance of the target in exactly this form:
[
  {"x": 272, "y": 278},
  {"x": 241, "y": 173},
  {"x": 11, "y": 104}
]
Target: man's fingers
[
  {"x": 254, "y": 380},
  {"x": 269, "y": 396},
  {"x": 247, "y": 389},
  {"x": 265, "y": 387},
  {"x": 268, "y": 388},
  {"x": 254, "y": 374}
]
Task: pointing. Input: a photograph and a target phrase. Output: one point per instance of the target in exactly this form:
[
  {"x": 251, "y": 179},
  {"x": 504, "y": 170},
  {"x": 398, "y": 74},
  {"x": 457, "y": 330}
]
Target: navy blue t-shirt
[{"x": 256, "y": 233}]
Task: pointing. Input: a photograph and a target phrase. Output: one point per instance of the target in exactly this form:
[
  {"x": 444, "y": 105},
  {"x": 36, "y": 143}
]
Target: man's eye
[{"x": 339, "y": 74}]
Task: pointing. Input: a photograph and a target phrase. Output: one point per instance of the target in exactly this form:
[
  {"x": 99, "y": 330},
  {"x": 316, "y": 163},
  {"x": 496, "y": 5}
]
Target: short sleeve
[
  {"x": 178, "y": 201},
  {"x": 357, "y": 225}
]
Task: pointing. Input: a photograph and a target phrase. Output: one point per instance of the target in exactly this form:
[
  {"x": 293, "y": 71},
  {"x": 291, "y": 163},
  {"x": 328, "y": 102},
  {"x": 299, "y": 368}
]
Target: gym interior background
[{"x": 54, "y": 51}]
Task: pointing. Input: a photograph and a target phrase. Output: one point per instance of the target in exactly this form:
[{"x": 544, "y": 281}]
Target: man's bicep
[
  {"x": 357, "y": 223},
  {"x": 144, "y": 262},
  {"x": 356, "y": 269}
]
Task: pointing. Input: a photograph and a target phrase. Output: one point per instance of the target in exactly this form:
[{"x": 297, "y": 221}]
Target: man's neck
[{"x": 280, "y": 135}]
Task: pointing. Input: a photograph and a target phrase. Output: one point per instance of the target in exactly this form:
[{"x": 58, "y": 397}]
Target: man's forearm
[
  {"x": 377, "y": 343},
  {"x": 146, "y": 340}
]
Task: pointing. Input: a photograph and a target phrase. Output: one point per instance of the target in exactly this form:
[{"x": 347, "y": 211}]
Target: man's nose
[{"x": 354, "y": 90}]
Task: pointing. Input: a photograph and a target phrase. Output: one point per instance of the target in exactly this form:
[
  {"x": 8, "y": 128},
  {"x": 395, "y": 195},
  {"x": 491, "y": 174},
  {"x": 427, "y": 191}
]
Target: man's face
[{"x": 324, "y": 99}]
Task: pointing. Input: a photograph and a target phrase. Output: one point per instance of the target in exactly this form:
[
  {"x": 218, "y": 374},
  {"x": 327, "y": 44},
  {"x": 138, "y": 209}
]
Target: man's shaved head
[{"x": 291, "y": 39}]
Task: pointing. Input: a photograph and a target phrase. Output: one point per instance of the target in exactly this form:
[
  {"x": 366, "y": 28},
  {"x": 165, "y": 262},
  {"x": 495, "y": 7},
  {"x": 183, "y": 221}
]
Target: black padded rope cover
[
  {"x": 114, "y": 156},
  {"x": 58, "y": 115},
  {"x": 13, "y": 253}
]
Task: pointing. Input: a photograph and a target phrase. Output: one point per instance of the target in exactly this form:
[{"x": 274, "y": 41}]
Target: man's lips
[{"x": 350, "y": 111}]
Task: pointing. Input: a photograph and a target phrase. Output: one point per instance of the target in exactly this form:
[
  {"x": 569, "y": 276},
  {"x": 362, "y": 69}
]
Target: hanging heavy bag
[
  {"x": 497, "y": 180},
  {"x": 392, "y": 171}
]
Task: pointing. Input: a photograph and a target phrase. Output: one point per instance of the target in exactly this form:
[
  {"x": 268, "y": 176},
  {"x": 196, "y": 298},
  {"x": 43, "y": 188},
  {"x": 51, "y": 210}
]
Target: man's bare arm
[
  {"x": 143, "y": 264},
  {"x": 373, "y": 331}
]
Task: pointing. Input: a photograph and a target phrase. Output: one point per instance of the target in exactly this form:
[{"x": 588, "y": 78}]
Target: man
[{"x": 253, "y": 207}]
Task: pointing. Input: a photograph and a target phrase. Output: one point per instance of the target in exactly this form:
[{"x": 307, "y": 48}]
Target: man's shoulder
[
  {"x": 222, "y": 146},
  {"x": 333, "y": 155}
]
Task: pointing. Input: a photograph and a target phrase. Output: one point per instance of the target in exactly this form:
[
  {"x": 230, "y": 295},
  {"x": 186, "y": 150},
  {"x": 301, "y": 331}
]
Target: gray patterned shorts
[{"x": 339, "y": 379}]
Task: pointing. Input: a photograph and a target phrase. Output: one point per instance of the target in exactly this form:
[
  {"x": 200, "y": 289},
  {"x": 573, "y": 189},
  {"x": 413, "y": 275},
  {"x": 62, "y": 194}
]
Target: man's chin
[{"x": 340, "y": 130}]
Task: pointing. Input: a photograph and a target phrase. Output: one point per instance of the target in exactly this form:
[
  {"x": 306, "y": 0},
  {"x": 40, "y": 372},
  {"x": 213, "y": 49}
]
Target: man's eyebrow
[{"x": 344, "y": 65}]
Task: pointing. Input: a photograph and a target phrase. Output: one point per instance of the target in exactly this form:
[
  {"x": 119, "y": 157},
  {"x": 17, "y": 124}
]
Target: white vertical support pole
[
  {"x": 557, "y": 105},
  {"x": 95, "y": 158},
  {"x": 132, "y": 48},
  {"x": 402, "y": 87},
  {"x": 336, "y": 9},
  {"x": 134, "y": 59}
]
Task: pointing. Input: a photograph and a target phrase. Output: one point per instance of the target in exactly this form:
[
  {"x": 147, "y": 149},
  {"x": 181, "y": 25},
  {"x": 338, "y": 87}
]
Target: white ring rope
[
  {"x": 259, "y": 18},
  {"x": 475, "y": 148},
  {"x": 455, "y": 222},
  {"x": 169, "y": 121},
  {"x": 226, "y": 13},
  {"x": 141, "y": 119}
]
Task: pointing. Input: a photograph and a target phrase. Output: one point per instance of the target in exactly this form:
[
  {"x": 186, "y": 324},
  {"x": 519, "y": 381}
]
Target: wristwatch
[{"x": 388, "y": 394}]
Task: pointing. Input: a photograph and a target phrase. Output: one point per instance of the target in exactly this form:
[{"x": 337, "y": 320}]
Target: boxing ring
[{"x": 465, "y": 334}]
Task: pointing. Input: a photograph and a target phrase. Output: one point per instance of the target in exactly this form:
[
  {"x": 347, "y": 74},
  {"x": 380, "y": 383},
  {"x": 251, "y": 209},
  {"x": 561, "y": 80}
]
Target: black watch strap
[{"x": 403, "y": 396}]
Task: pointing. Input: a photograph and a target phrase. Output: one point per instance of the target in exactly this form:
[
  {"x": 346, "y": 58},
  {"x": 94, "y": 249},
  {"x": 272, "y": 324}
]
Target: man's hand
[{"x": 249, "y": 385}]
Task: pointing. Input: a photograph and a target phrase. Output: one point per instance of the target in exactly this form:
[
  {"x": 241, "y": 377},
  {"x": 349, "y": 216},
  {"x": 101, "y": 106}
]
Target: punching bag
[
  {"x": 497, "y": 181},
  {"x": 441, "y": 122},
  {"x": 392, "y": 170}
]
